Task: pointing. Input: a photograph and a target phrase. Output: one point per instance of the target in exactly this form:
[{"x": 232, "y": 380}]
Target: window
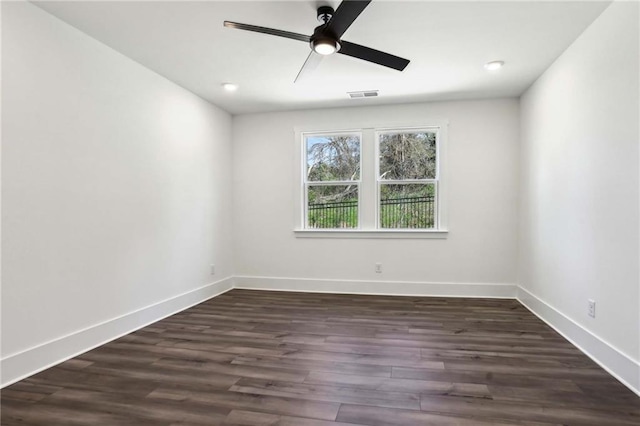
[
  {"x": 407, "y": 184},
  {"x": 383, "y": 182},
  {"x": 332, "y": 180}
]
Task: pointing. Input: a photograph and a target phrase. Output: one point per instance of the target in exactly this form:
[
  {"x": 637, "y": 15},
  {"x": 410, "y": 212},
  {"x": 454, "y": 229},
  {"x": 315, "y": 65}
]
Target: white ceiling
[{"x": 447, "y": 43}]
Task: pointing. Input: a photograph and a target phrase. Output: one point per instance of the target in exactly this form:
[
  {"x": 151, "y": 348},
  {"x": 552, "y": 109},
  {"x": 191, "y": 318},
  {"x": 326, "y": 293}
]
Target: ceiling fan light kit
[
  {"x": 325, "y": 46},
  {"x": 326, "y": 38}
]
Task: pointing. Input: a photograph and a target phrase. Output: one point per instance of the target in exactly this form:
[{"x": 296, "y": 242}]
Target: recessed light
[
  {"x": 230, "y": 87},
  {"x": 493, "y": 65}
]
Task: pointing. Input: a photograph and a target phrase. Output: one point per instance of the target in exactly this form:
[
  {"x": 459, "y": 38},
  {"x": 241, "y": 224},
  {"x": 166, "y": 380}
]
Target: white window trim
[
  {"x": 368, "y": 183},
  {"x": 372, "y": 233}
]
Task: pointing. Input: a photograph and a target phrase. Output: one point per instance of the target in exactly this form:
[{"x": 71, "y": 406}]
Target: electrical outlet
[
  {"x": 592, "y": 308},
  {"x": 378, "y": 268},
  {"x": 213, "y": 269}
]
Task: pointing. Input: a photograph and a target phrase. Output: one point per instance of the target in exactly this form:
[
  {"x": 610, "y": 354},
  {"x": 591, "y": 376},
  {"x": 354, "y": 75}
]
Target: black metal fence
[
  {"x": 337, "y": 214},
  {"x": 407, "y": 212}
]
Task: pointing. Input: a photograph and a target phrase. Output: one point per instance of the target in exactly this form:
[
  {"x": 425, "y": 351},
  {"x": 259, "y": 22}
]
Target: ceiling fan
[{"x": 326, "y": 38}]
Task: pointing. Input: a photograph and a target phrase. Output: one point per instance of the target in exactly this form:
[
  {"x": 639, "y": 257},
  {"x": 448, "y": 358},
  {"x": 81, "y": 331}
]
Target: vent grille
[{"x": 363, "y": 94}]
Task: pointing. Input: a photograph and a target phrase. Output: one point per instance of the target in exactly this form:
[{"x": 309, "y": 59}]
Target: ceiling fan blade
[
  {"x": 344, "y": 16},
  {"x": 373, "y": 55},
  {"x": 270, "y": 31},
  {"x": 309, "y": 66}
]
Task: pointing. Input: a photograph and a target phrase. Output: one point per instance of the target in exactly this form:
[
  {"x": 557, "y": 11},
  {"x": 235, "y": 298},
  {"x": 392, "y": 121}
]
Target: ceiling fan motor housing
[{"x": 321, "y": 36}]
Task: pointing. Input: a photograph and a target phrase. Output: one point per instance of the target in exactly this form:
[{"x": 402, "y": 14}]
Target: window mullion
[{"x": 368, "y": 187}]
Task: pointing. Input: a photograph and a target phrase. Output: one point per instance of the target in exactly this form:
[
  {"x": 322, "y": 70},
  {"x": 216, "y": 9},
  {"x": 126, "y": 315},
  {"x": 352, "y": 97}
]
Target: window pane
[
  {"x": 407, "y": 155},
  {"x": 407, "y": 206},
  {"x": 334, "y": 206},
  {"x": 333, "y": 158}
]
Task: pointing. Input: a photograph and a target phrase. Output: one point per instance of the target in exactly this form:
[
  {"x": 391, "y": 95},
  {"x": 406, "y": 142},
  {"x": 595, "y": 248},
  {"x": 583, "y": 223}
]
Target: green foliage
[
  {"x": 392, "y": 191},
  {"x": 320, "y": 194},
  {"x": 408, "y": 155}
]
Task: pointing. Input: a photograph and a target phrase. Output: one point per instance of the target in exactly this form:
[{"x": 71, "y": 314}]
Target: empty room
[{"x": 320, "y": 212}]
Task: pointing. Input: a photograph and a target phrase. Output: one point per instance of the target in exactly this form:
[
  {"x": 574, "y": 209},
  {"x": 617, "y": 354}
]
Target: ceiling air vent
[{"x": 363, "y": 94}]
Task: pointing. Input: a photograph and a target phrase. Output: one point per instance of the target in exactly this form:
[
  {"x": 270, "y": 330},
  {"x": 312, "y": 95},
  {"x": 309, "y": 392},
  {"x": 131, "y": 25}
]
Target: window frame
[
  {"x": 306, "y": 183},
  {"x": 368, "y": 202}
]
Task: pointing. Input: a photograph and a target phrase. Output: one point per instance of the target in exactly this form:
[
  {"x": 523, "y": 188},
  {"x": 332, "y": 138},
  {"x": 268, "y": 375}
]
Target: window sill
[{"x": 378, "y": 233}]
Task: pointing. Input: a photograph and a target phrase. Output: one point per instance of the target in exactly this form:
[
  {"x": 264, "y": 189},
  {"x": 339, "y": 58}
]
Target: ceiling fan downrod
[{"x": 324, "y": 14}]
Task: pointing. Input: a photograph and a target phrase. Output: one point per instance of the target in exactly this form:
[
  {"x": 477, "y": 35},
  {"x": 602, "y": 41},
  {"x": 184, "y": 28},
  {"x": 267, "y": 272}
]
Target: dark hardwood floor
[{"x": 259, "y": 358}]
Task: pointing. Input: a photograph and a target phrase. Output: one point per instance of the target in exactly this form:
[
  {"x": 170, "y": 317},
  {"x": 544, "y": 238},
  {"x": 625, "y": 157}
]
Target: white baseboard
[
  {"x": 615, "y": 362},
  {"x": 386, "y": 288},
  {"x": 23, "y": 364}
]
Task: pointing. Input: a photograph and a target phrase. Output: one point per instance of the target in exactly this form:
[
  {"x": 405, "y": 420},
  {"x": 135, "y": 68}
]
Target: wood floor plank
[
  {"x": 481, "y": 377},
  {"x": 146, "y": 374},
  {"x": 340, "y": 394},
  {"x": 367, "y": 350},
  {"x": 422, "y": 387},
  {"x": 316, "y": 365},
  {"x": 379, "y": 416},
  {"x": 253, "y": 402},
  {"x": 262, "y": 358},
  {"x": 142, "y": 410},
  {"x": 249, "y": 418},
  {"x": 365, "y": 359},
  {"x": 95, "y": 380},
  {"x": 560, "y": 398},
  {"x": 198, "y": 366},
  {"x": 485, "y": 409},
  {"x": 57, "y": 414}
]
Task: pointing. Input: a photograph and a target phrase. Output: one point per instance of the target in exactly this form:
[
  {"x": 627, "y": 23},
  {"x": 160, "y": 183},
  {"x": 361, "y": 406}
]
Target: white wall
[
  {"x": 482, "y": 166},
  {"x": 116, "y": 191},
  {"x": 579, "y": 190}
]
